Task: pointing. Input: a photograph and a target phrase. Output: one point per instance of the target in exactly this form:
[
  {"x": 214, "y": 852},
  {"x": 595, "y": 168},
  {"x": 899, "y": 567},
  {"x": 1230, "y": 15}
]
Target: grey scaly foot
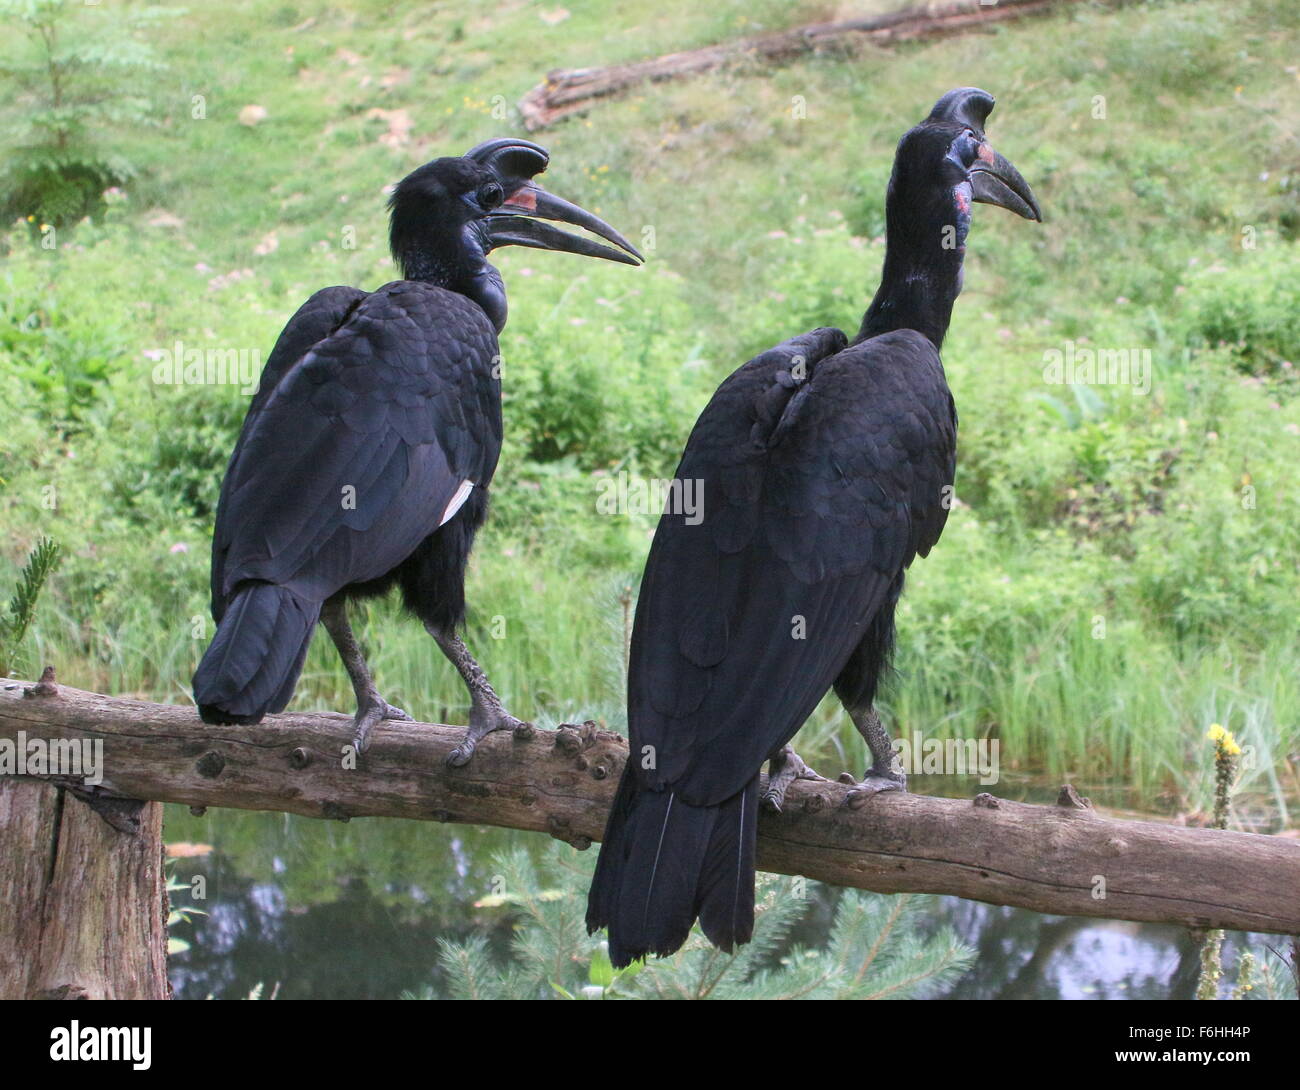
[
  {"x": 873, "y": 783},
  {"x": 370, "y": 712},
  {"x": 486, "y": 712},
  {"x": 886, "y": 773},
  {"x": 784, "y": 768},
  {"x": 483, "y": 720},
  {"x": 371, "y": 707}
]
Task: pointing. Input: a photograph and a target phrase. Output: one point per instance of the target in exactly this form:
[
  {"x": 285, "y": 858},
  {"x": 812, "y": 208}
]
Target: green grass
[{"x": 1114, "y": 506}]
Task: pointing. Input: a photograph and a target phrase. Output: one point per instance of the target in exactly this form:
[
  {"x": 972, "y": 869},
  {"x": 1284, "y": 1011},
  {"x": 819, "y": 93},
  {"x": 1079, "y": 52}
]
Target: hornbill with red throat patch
[
  {"x": 367, "y": 452},
  {"x": 826, "y": 465}
]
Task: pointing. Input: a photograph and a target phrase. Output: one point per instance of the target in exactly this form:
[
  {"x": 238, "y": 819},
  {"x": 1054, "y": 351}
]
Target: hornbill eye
[{"x": 491, "y": 196}]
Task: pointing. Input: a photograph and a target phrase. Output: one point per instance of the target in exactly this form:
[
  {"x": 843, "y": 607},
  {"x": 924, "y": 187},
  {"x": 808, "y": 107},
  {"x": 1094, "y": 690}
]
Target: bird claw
[
  {"x": 481, "y": 724},
  {"x": 788, "y": 766},
  {"x": 874, "y": 783},
  {"x": 368, "y": 716}
]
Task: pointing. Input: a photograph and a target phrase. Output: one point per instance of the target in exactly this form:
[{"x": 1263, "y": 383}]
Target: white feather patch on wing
[{"x": 457, "y": 501}]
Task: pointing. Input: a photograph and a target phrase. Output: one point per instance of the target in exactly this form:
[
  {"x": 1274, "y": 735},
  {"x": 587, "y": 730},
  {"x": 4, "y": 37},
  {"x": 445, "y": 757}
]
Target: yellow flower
[{"x": 1223, "y": 740}]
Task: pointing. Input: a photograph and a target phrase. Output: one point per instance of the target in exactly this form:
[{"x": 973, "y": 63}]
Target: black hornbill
[
  {"x": 826, "y": 466},
  {"x": 366, "y": 455}
]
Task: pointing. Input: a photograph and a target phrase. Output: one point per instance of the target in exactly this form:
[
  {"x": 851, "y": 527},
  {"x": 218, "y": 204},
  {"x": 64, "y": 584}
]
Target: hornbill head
[
  {"x": 947, "y": 161},
  {"x": 448, "y": 215},
  {"x": 517, "y": 205}
]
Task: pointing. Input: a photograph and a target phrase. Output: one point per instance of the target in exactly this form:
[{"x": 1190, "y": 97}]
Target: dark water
[{"x": 323, "y": 910}]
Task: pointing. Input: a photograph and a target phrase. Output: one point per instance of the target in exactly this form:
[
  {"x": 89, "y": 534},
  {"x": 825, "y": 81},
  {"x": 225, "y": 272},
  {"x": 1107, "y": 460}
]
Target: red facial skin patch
[
  {"x": 986, "y": 153},
  {"x": 523, "y": 198},
  {"x": 961, "y": 194}
]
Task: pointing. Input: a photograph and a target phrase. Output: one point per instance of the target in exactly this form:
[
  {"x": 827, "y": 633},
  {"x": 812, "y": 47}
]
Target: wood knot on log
[
  {"x": 334, "y": 812},
  {"x": 567, "y": 739},
  {"x": 985, "y": 801},
  {"x": 1070, "y": 799},
  {"x": 44, "y": 687},
  {"x": 560, "y": 829},
  {"x": 299, "y": 759},
  {"x": 570, "y": 738},
  {"x": 210, "y": 765}
]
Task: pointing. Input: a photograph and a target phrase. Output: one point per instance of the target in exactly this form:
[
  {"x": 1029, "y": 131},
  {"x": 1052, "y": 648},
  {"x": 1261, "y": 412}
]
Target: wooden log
[
  {"x": 572, "y": 90},
  {"x": 1064, "y": 859}
]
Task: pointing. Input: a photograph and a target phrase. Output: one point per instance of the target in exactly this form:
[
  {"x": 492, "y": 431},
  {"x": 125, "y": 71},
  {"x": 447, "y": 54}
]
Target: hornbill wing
[
  {"x": 315, "y": 320},
  {"x": 816, "y": 495},
  {"x": 354, "y": 457}
]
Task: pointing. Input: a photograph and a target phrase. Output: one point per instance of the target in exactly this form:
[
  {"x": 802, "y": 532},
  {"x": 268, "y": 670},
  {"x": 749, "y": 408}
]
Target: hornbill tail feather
[
  {"x": 253, "y": 662},
  {"x": 665, "y": 862}
]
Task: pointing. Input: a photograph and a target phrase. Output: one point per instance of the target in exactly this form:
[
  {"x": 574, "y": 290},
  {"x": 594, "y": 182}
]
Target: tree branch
[{"x": 1062, "y": 859}]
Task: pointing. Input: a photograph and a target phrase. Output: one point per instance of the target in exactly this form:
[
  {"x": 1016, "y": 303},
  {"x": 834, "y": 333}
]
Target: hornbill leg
[
  {"x": 882, "y": 775},
  {"x": 785, "y": 766},
  {"x": 486, "y": 713},
  {"x": 371, "y": 707}
]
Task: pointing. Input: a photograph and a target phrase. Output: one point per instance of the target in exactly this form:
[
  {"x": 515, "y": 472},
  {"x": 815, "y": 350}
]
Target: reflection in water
[{"x": 331, "y": 911}]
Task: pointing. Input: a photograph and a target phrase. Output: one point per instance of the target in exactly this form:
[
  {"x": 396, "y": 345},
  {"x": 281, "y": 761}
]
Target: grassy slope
[{"x": 763, "y": 226}]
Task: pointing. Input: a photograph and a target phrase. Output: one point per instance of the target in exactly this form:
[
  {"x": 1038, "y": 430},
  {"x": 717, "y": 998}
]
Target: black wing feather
[{"x": 347, "y": 462}]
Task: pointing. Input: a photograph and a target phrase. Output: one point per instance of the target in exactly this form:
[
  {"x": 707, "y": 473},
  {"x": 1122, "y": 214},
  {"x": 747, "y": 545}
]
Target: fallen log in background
[
  {"x": 1064, "y": 859},
  {"x": 572, "y": 90}
]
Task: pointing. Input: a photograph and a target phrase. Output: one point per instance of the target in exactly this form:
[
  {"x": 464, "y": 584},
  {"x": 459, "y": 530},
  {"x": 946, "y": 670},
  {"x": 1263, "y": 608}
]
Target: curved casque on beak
[
  {"x": 518, "y": 221},
  {"x": 993, "y": 180}
]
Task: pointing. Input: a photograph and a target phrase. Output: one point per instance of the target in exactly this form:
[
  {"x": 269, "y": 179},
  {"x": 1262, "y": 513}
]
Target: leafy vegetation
[
  {"x": 877, "y": 948},
  {"x": 40, "y": 564},
  {"x": 79, "y": 74}
]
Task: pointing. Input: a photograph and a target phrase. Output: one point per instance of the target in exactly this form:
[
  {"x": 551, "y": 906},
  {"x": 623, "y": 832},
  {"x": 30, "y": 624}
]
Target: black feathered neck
[
  {"x": 434, "y": 237},
  {"x": 926, "y": 221}
]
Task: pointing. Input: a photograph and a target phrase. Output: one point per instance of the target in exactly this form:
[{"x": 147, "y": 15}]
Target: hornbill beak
[
  {"x": 513, "y": 225},
  {"x": 517, "y": 222},
  {"x": 993, "y": 180}
]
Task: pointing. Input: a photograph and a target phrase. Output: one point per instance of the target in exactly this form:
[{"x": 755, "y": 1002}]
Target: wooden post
[{"x": 83, "y": 895}]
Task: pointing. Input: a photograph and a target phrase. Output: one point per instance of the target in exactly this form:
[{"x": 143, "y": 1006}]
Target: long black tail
[
  {"x": 253, "y": 662},
  {"x": 664, "y": 863}
]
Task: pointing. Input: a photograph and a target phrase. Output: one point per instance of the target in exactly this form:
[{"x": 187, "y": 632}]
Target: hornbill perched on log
[
  {"x": 826, "y": 466},
  {"x": 366, "y": 454}
]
